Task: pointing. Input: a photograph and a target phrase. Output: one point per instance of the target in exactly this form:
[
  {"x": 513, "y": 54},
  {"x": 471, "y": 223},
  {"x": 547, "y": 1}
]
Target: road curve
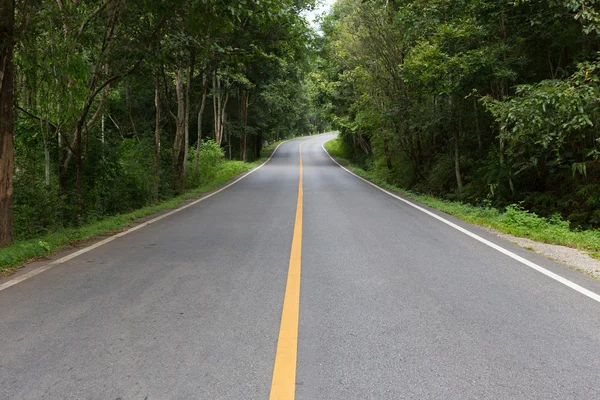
[{"x": 393, "y": 304}]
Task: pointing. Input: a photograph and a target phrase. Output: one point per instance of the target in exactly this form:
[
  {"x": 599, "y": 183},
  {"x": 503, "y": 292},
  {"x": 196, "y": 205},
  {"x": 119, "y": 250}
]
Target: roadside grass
[
  {"x": 514, "y": 220},
  {"x": 19, "y": 252},
  {"x": 334, "y": 148}
]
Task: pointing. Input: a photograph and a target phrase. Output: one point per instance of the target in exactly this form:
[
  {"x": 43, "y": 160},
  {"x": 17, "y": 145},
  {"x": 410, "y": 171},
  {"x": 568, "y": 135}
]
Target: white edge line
[
  {"x": 550, "y": 274},
  {"x": 66, "y": 258}
]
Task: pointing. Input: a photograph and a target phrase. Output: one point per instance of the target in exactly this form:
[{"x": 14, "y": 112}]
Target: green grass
[
  {"x": 334, "y": 148},
  {"x": 514, "y": 220},
  {"x": 20, "y": 252}
]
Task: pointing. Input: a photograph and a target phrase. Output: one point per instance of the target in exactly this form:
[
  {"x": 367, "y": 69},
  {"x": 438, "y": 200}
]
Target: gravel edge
[{"x": 576, "y": 259}]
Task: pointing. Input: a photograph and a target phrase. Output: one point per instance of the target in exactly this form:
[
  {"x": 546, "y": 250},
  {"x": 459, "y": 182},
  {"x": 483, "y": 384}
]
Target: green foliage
[
  {"x": 117, "y": 179},
  {"x": 93, "y": 76},
  {"x": 548, "y": 121},
  {"x": 46, "y": 242},
  {"x": 479, "y": 101},
  {"x": 210, "y": 163},
  {"x": 337, "y": 149},
  {"x": 37, "y": 208},
  {"x": 587, "y": 13},
  {"x": 514, "y": 219},
  {"x": 24, "y": 250}
]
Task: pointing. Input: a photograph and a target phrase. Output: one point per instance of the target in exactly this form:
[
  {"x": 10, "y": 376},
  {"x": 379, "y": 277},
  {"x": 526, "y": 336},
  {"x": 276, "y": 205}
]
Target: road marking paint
[
  {"x": 283, "y": 385},
  {"x": 550, "y": 274},
  {"x": 64, "y": 259}
]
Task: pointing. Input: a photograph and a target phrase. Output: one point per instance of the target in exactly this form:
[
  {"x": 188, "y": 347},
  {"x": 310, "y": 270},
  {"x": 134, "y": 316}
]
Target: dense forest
[
  {"x": 491, "y": 102},
  {"x": 116, "y": 104},
  {"x": 110, "y": 105}
]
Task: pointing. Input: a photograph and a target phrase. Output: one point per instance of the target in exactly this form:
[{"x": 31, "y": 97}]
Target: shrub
[{"x": 211, "y": 156}]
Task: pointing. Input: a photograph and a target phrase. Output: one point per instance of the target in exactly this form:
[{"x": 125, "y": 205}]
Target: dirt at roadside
[{"x": 573, "y": 258}]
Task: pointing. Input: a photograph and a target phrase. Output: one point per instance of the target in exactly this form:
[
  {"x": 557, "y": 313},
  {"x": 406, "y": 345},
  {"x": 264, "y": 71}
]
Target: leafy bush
[
  {"x": 441, "y": 179},
  {"x": 514, "y": 220},
  {"x": 520, "y": 218},
  {"x": 36, "y": 208},
  {"x": 209, "y": 163}
]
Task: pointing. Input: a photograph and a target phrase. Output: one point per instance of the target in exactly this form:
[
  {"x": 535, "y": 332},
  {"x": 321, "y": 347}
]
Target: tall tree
[
  {"x": 478, "y": 100},
  {"x": 7, "y": 15},
  {"x": 106, "y": 90}
]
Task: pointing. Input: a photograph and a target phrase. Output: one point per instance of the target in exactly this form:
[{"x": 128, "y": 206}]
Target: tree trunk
[
  {"x": 129, "y": 111},
  {"x": 386, "y": 151},
  {"x": 217, "y": 108},
  {"x": 46, "y": 162},
  {"x": 244, "y": 117},
  {"x": 7, "y": 14},
  {"x": 216, "y": 102},
  {"x": 259, "y": 144},
  {"x": 79, "y": 173},
  {"x": 219, "y": 105},
  {"x": 457, "y": 159},
  {"x": 61, "y": 163},
  {"x": 456, "y": 133},
  {"x": 156, "y": 135},
  {"x": 477, "y": 127},
  {"x": 45, "y": 131},
  {"x": 179, "y": 143},
  {"x": 223, "y": 115},
  {"x": 501, "y": 144},
  {"x": 200, "y": 112},
  {"x": 187, "y": 114},
  {"x": 228, "y": 134}
]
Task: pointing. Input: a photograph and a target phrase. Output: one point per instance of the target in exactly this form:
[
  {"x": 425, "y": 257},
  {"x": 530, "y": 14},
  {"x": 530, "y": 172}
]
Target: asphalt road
[{"x": 394, "y": 304}]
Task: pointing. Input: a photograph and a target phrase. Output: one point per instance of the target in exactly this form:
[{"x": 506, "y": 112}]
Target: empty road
[{"x": 301, "y": 279}]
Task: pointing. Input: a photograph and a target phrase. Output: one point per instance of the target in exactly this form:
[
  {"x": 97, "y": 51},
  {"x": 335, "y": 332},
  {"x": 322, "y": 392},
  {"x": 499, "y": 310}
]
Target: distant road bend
[{"x": 301, "y": 280}]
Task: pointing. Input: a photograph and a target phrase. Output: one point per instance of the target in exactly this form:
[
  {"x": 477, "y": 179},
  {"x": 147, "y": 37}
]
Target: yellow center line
[{"x": 283, "y": 386}]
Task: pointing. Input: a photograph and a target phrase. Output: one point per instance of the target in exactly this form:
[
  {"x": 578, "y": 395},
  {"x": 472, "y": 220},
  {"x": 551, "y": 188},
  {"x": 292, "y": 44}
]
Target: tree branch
[
  {"x": 30, "y": 115},
  {"x": 91, "y": 16},
  {"x": 69, "y": 146},
  {"x": 99, "y": 109},
  {"x": 4, "y": 62},
  {"x": 117, "y": 126},
  {"x": 114, "y": 78}
]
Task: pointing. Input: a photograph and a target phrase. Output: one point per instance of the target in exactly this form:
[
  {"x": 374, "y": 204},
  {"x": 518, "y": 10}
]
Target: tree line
[
  {"x": 114, "y": 104},
  {"x": 109, "y": 105},
  {"x": 492, "y": 102}
]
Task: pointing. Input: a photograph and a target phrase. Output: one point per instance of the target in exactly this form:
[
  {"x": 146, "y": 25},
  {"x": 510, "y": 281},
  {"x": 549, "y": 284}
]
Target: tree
[
  {"x": 106, "y": 91},
  {"x": 491, "y": 101},
  {"x": 7, "y": 12}
]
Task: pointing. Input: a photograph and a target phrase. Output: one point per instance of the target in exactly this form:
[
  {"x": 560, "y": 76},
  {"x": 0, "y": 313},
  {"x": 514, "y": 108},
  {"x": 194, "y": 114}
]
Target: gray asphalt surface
[{"x": 394, "y": 305}]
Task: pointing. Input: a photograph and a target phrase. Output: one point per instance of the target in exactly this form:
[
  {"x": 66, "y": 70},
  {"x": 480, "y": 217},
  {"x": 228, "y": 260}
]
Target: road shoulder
[{"x": 553, "y": 266}]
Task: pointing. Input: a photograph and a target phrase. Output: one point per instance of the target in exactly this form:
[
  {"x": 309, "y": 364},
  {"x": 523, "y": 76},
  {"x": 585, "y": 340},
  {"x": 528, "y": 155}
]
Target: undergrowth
[
  {"x": 514, "y": 219},
  {"x": 22, "y": 251}
]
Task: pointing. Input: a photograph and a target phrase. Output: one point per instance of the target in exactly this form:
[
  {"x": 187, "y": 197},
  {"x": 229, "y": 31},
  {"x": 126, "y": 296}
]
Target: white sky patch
[{"x": 323, "y": 6}]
